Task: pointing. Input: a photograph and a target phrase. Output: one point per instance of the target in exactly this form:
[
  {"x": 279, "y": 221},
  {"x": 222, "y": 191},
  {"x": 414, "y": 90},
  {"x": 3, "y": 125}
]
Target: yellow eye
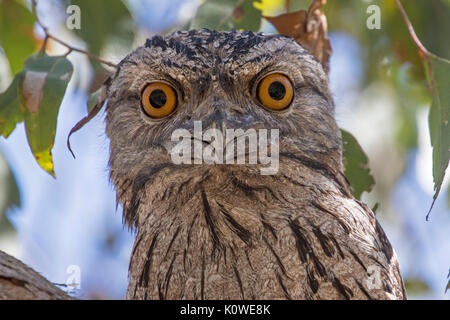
[
  {"x": 158, "y": 100},
  {"x": 275, "y": 91}
]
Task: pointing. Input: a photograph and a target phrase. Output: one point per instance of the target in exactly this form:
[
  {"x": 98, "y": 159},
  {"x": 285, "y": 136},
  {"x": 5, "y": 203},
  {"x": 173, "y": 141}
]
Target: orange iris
[
  {"x": 275, "y": 91},
  {"x": 158, "y": 100}
]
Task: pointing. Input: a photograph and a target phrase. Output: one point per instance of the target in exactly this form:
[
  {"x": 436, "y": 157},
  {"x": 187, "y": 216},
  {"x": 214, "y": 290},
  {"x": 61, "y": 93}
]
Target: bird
[{"x": 219, "y": 231}]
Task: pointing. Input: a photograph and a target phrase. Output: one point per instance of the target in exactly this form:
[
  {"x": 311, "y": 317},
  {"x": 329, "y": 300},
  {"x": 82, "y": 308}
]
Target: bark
[{"x": 20, "y": 282}]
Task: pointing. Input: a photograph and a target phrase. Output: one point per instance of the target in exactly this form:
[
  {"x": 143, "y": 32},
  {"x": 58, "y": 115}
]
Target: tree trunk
[{"x": 19, "y": 282}]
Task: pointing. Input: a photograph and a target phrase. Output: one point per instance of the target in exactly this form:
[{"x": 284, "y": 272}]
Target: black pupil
[
  {"x": 158, "y": 98},
  {"x": 277, "y": 91}
]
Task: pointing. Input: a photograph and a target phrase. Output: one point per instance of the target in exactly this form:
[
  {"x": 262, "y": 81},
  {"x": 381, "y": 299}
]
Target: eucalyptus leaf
[
  {"x": 438, "y": 75},
  {"x": 8, "y": 187},
  {"x": 16, "y": 32},
  {"x": 227, "y": 15},
  {"x": 356, "y": 165},
  {"x": 42, "y": 85},
  {"x": 448, "y": 283},
  {"x": 416, "y": 286},
  {"x": 448, "y": 197},
  {"x": 101, "y": 20},
  {"x": 10, "y": 113},
  {"x": 246, "y": 16},
  {"x": 93, "y": 100}
]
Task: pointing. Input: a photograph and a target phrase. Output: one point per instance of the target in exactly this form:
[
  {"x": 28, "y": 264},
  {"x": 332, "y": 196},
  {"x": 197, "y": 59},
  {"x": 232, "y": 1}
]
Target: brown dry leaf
[
  {"x": 308, "y": 28},
  {"x": 101, "y": 74},
  {"x": 95, "y": 103}
]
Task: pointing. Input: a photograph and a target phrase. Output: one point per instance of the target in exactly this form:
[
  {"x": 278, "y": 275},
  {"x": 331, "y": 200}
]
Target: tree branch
[
  {"x": 19, "y": 282},
  {"x": 71, "y": 49}
]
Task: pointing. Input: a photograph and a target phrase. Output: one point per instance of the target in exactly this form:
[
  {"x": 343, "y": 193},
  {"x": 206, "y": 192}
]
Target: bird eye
[
  {"x": 158, "y": 100},
  {"x": 275, "y": 91}
]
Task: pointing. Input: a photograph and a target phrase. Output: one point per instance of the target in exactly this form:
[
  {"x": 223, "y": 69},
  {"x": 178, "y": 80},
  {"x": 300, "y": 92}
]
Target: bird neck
[{"x": 204, "y": 222}]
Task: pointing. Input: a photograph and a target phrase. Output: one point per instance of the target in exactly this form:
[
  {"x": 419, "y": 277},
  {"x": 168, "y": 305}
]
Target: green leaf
[
  {"x": 97, "y": 91},
  {"x": 35, "y": 96},
  {"x": 448, "y": 197},
  {"x": 448, "y": 284},
  {"x": 101, "y": 20},
  {"x": 10, "y": 113},
  {"x": 42, "y": 84},
  {"x": 16, "y": 32},
  {"x": 8, "y": 187},
  {"x": 214, "y": 15},
  {"x": 100, "y": 76},
  {"x": 356, "y": 165},
  {"x": 416, "y": 286},
  {"x": 227, "y": 15},
  {"x": 375, "y": 208},
  {"x": 438, "y": 75},
  {"x": 93, "y": 99},
  {"x": 246, "y": 16}
]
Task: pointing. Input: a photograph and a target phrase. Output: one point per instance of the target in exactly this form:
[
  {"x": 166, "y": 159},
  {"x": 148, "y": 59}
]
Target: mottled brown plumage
[{"x": 226, "y": 231}]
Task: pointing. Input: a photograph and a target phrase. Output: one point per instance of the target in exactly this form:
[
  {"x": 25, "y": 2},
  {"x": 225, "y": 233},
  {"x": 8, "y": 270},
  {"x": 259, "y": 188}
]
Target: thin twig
[
  {"x": 90, "y": 55},
  {"x": 422, "y": 50},
  {"x": 69, "y": 47}
]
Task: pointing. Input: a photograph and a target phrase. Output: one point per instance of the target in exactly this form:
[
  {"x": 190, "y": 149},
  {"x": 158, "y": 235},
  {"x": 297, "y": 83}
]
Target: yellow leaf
[
  {"x": 269, "y": 7},
  {"x": 44, "y": 159}
]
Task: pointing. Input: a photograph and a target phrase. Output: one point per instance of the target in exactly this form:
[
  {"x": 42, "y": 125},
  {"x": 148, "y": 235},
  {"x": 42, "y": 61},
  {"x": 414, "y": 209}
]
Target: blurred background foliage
[{"x": 377, "y": 76}]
